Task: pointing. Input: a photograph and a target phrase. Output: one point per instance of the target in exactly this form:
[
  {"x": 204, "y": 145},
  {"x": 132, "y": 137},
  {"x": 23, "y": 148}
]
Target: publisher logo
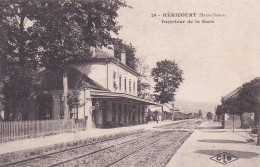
[{"x": 224, "y": 158}]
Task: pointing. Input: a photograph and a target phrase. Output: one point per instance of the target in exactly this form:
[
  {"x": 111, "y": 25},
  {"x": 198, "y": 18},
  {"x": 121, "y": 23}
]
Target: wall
[
  {"x": 96, "y": 71},
  {"x": 87, "y": 110},
  {"x": 56, "y": 103},
  {"x": 115, "y": 68},
  {"x": 56, "y": 108},
  {"x": 248, "y": 120}
]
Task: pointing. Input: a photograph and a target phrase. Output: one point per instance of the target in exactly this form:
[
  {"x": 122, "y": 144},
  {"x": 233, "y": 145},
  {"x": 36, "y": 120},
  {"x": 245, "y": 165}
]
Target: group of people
[{"x": 147, "y": 119}]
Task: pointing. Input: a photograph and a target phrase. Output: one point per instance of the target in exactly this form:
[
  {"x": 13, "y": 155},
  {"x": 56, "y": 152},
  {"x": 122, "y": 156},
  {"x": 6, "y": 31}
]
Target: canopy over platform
[{"x": 106, "y": 94}]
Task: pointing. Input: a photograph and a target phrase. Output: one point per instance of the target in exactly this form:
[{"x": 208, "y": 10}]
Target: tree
[
  {"x": 129, "y": 50},
  {"x": 232, "y": 106},
  {"x": 61, "y": 31},
  {"x": 209, "y": 115},
  {"x": 143, "y": 83},
  {"x": 249, "y": 97},
  {"x": 219, "y": 110},
  {"x": 17, "y": 54},
  {"x": 168, "y": 77},
  {"x": 244, "y": 101},
  {"x": 74, "y": 101},
  {"x": 17, "y": 87},
  {"x": 200, "y": 114},
  {"x": 75, "y": 26},
  {"x": 135, "y": 63}
]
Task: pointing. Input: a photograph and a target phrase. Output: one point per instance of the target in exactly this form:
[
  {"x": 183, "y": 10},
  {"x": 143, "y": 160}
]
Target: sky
[{"x": 216, "y": 58}]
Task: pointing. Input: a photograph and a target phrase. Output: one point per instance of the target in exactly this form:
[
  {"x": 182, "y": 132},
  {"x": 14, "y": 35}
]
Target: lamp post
[
  {"x": 84, "y": 116},
  {"x": 84, "y": 88},
  {"x": 222, "y": 113}
]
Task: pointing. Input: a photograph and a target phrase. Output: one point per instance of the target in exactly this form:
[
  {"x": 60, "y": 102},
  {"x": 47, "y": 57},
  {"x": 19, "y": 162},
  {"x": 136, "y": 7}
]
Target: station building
[{"x": 106, "y": 89}]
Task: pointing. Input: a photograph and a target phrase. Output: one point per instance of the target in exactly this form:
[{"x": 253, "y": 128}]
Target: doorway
[
  {"x": 114, "y": 112},
  {"x": 44, "y": 104}
]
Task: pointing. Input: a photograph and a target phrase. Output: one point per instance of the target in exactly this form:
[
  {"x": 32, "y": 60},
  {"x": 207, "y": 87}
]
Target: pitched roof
[
  {"x": 176, "y": 109},
  {"x": 232, "y": 94},
  {"x": 99, "y": 53},
  {"x": 53, "y": 80},
  {"x": 168, "y": 105},
  {"x": 103, "y": 55}
]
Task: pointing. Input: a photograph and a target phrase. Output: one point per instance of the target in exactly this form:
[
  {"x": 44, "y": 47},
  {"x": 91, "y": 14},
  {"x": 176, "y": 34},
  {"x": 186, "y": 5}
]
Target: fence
[{"x": 17, "y": 130}]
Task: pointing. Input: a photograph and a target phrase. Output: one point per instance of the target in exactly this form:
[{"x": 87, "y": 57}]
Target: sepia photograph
[{"x": 129, "y": 83}]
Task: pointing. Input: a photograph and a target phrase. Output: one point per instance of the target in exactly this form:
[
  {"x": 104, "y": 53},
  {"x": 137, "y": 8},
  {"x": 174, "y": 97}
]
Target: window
[
  {"x": 130, "y": 86},
  {"x": 125, "y": 85},
  {"x": 134, "y": 87},
  {"x": 120, "y": 80},
  {"x": 114, "y": 81},
  {"x": 114, "y": 76},
  {"x": 74, "y": 113}
]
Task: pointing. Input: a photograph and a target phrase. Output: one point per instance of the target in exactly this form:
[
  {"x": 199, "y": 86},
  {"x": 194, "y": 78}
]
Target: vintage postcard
[{"x": 130, "y": 83}]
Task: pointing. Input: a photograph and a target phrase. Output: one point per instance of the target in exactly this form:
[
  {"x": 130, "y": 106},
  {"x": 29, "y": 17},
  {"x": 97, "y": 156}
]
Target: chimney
[
  {"x": 123, "y": 57},
  {"x": 92, "y": 51},
  {"x": 109, "y": 50}
]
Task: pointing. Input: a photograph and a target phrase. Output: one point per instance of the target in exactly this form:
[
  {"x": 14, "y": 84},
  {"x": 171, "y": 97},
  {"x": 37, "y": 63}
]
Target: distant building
[{"x": 166, "y": 111}]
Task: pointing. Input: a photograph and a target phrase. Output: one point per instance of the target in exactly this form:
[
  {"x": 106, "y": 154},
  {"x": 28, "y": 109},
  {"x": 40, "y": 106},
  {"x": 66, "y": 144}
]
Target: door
[
  {"x": 114, "y": 112},
  {"x": 104, "y": 114},
  {"x": 44, "y": 107}
]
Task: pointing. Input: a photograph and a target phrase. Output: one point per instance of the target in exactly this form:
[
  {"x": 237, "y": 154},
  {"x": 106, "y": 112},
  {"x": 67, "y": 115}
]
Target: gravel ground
[
  {"x": 164, "y": 158},
  {"x": 149, "y": 155},
  {"x": 137, "y": 148},
  {"x": 23, "y": 155},
  {"x": 189, "y": 124},
  {"x": 158, "y": 144},
  {"x": 109, "y": 155}
]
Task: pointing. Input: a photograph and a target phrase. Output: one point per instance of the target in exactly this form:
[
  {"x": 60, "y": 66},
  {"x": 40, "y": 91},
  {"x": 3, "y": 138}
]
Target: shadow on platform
[
  {"x": 214, "y": 131},
  {"x": 223, "y": 141},
  {"x": 211, "y": 127}
]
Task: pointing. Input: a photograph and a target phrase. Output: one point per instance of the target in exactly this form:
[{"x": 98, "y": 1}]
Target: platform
[{"x": 208, "y": 141}]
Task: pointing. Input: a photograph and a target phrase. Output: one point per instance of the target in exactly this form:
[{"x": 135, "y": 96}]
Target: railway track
[
  {"x": 181, "y": 125},
  {"x": 177, "y": 144},
  {"x": 127, "y": 150},
  {"x": 115, "y": 146},
  {"x": 64, "y": 150},
  {"x": 133, "y": 152},
  {"x": 144, "y": 156},
  {"x": 49, "y": 158},
  {"x": 159, "y": 161},
  {"x": 113, "y": 157},
  {"x": 84, "y": 155}
]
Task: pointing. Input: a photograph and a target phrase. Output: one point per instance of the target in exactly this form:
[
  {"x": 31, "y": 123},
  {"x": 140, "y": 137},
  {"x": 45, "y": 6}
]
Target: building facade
[{"x": 105, "y": 89}]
